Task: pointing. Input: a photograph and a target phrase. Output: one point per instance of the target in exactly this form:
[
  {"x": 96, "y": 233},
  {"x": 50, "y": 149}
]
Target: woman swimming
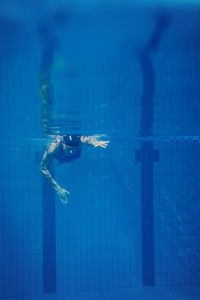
[{"x": 66, "y": 149}]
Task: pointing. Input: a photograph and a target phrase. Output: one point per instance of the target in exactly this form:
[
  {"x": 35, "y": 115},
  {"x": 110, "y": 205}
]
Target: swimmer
[{"x": 66, "y": 149}]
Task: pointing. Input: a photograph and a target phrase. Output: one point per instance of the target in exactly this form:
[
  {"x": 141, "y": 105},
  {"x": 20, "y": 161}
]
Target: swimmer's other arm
[
  {"x": 45, "y": 164},
  {"x": 94, "y": 141}
]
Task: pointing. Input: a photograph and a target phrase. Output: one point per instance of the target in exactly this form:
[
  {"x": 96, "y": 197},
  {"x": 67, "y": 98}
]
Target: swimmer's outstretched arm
[
  {"x": 94, "y": 141},
  {"x": 45, "y": 164}
]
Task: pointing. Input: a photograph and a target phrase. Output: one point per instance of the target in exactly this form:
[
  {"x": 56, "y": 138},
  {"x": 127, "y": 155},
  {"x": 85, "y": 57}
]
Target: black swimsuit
[{"x": 74, "y": 153}]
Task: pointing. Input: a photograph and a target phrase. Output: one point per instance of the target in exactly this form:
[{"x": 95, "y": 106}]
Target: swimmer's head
[{"x": 71, "y": 140}]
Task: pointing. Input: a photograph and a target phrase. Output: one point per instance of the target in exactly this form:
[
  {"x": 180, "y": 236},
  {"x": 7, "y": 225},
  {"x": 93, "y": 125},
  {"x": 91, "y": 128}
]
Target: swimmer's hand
[
  {"x": 102, "y": 144},
  {"x": 62, "y": 193},
  {"x": 94, "y": 141}
]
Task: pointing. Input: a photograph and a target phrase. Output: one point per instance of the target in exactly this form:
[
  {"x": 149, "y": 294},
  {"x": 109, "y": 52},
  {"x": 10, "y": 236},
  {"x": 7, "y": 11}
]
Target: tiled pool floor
[{"x": 147, "y": 293}]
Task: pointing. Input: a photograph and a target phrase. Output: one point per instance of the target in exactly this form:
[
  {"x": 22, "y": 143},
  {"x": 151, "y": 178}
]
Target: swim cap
[{"x": 71, "y": 140}]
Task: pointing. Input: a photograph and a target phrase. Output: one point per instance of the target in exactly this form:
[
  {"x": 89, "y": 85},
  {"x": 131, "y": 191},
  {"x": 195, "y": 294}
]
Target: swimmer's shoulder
[{"x": 54, "y": 146}]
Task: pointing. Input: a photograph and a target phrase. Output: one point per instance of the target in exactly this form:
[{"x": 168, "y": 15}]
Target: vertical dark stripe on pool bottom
[
  {"x": 49, "y": 237},
  {"x": 48, "y": 195},
  {"x": 147, "y": 155}
]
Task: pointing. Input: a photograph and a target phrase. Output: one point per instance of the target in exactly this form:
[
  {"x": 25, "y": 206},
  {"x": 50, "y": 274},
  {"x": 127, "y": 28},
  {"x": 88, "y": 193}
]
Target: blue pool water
[{"x": 131, "y": 227}]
